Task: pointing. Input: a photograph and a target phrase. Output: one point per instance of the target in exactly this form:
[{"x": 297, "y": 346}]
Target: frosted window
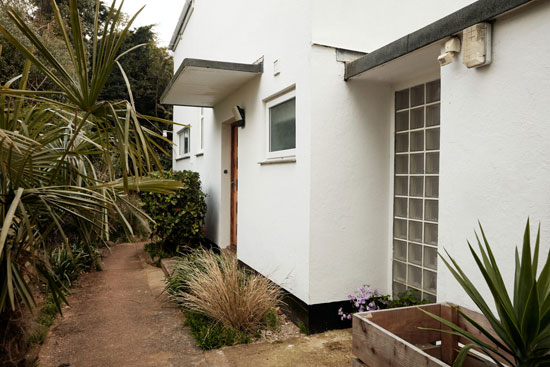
[
  {"x": 400, "y": 271},
  {"x": 417, "y": 141},
  {"x": 400, "y": 250},
  {"x": 402, "y": 143},
  {"x": 431, "y": 210},
  {"x": 417, "y": 186},
  {"x": 415, "y": 231},
  {"x": 402, "y": 99},
  {"x": 401, "y": 207},
  {"x": 415, "y": 254},
  {"x": 402, "y": 164},
  {"x": 433, "y": 90},
  {"x": 400, "y": 228},
  {"x": 415, "y": 211},
  {"x": 401, "y": 185},
  {"x": 432, "y": 163},
  {"x": 432, "y": 139},
  {"x": 282, "y": 125},
  {"x": 416, "y": 204},
  {"x": 402, "y": 121},
  {"x": 417, "y": 95},
  {"x": 432, "y": 115},
  {"x": 417, "y": 163},
  {"x": 184, "y": 143},
  {"x": 417, "y": 118},
  {"x": 415, "y": 276}
]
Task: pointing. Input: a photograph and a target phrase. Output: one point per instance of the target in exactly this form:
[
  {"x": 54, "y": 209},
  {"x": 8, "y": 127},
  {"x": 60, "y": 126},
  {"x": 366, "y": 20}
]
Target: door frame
[{"x": 234, "y": 186}]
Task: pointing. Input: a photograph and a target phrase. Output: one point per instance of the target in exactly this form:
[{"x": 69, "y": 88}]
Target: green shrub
[
  {"x": 67, "y": 266},
  {"x": 210, "y": 334},
  {"x": 271, "y": 319},
  {"x": 407, "y": 298},
  {"x": 178, "y": 217}
]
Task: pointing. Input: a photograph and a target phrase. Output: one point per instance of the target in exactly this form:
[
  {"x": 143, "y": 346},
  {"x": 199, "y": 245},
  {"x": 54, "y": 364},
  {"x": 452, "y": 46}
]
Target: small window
[
  {"x": 184, "y": 142},
  {"x": 281, "y": 126}
]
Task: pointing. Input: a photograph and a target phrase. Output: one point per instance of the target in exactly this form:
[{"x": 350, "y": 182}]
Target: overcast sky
[{"x": 164, "y": 14}]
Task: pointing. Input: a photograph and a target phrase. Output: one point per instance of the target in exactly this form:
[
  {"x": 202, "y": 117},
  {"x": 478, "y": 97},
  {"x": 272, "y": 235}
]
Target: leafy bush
[
  {"x": 522, "y": 327},
  {"x": 216, "y": 287},
  {"x": 210, "y": 334},
  {"x": 367, "y": 299},
  {"x": 67, "y": 266},
  {"x": 179, "y": 216}
]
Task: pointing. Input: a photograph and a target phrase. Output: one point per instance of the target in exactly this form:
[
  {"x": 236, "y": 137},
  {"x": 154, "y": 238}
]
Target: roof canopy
[
  {"x": 477, "y": 12},
  {"x": 204, "y": 83}
]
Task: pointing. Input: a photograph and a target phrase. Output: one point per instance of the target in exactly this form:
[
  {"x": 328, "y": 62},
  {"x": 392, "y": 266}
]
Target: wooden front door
[{"x": 234, "y": 183}]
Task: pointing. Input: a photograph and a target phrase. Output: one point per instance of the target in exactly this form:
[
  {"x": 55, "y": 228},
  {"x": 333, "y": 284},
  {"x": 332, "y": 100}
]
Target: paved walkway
[{"x": 118, "y": 317}]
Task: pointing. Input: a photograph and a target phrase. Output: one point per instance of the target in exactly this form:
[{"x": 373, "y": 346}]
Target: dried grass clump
[{"x": 218, "y": 288}]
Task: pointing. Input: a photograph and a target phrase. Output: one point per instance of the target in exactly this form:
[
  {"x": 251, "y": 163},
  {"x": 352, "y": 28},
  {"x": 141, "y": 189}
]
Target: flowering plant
[{"x": 365, "y": 299}]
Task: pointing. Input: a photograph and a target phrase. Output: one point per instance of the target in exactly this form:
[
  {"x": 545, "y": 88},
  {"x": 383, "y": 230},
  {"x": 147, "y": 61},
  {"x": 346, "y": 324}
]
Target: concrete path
[{"x": 118, "y": 317}]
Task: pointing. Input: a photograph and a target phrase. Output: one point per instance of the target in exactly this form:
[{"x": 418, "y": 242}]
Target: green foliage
[
  {"x": 405, "y": 299},
  {"x": 68, "y": 265},
  {"x": 43, "y": 319},
  {"x": 47, "y": 179},
  {"x": 303, "y": 328},
  {"x": 272, "y": 319},
  {"x": 522, "y": 322},
  {"x": 179, "y": 216},
  {"x": 186, "y": 266},
  {"x": 210, "y": 334},
  {"x": 156, "y": 252}
]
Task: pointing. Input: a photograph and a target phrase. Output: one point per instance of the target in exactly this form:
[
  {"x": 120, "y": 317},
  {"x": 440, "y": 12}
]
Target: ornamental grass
[{"x": 215, "y": 286}]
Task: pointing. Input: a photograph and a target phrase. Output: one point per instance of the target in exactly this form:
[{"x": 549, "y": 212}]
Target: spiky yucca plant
[{"x": 521, "y": 326}]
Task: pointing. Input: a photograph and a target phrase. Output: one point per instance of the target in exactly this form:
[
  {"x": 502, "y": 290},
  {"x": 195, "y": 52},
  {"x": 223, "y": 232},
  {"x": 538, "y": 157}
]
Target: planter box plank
[
  {"x": 393, "y": 338},
  {"x": 400, "y": 322},
  {"x": 376, "y": 346}
]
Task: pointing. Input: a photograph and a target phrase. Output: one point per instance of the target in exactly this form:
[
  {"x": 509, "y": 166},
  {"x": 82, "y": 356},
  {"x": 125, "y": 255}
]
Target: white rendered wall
[
  {"x": 273, "y": 204},
  {"x": 351, "y": 188},
  {"x": 365, "y": 25},
  {"x": 495, "y": 147}
]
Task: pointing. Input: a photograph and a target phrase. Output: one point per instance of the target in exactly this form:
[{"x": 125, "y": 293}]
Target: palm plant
[
  {"x": 521, "y": 326},
  {"x": 51, "y": 143}
]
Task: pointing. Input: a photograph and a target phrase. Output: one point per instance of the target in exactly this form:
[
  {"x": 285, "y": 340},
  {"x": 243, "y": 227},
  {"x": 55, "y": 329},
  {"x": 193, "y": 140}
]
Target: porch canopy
[
  {"x": 418, "y": 51},
  {"x": 204, "y": 83}
]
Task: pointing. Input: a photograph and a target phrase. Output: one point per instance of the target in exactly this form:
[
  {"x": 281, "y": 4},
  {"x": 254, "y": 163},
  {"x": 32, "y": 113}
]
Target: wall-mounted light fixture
[
  {"x": 477, "y": 45},
  {"x": 452, "y": 47},
  {"x": 238, "y": 114}
]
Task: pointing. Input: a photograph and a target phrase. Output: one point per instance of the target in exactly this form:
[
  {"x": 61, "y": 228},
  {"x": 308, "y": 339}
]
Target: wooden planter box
[{"x": 393, "y": 338}]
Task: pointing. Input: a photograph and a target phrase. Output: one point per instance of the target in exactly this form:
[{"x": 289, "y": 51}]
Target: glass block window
[{"x": 416, "y": 189}]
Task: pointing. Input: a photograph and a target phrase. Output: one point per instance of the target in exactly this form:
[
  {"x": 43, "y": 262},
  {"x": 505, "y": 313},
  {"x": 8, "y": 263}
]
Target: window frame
[
  {"x": 181, "y": 132},
  {"x": 201, "y": 131},
  {"x": 268, "y": 105}
]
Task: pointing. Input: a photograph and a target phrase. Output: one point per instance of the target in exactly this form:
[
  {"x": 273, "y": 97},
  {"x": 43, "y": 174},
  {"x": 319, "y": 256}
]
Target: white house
[{"x": 360, "y": 156}]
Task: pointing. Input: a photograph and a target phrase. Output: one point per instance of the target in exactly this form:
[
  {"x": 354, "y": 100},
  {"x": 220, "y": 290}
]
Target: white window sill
[
  {"x": 278, "y": 161},
  {"x": 198, "y": 154},
  {"x": 187, "y": 156}
]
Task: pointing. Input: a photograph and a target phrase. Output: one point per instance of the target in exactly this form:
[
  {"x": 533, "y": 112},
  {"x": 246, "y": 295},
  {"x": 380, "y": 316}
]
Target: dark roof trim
[
  {"x": 185, "y": 13},
  {"x": 480, "y": 11},
  {"x": 257, "y": 68}
]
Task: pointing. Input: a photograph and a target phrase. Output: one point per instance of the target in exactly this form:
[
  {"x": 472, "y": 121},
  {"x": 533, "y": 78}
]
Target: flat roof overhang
[
  {"x": 204, "y": 83},
  {"x": 480, "y": 11}
]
